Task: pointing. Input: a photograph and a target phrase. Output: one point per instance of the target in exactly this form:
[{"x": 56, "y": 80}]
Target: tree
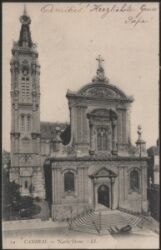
[{"x": 10, "y": 194}]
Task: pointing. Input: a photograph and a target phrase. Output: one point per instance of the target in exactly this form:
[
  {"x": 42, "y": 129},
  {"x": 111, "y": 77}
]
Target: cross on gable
[{"x": 100, "y": 60}]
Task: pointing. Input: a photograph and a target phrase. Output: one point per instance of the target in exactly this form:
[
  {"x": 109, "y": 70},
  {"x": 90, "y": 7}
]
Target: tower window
[
  {"x": 69, "y": 182},
  {"x": 22, "y": 122},
  {"x": 25, "y": 88},
  {"x": 28, "y": 123},
  {"x": 134, "y": 180}
]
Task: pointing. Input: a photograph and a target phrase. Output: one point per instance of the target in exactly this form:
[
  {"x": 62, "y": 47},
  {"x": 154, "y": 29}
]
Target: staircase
[{"x": 91, "y": 222}]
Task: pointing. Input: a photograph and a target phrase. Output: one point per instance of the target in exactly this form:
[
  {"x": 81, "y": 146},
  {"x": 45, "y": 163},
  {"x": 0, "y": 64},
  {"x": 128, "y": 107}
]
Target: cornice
[{"x": 98, "y": 159}]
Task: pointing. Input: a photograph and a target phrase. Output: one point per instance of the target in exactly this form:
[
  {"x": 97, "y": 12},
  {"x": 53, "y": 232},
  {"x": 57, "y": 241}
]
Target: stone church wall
[{"x": 85, "y": 194}]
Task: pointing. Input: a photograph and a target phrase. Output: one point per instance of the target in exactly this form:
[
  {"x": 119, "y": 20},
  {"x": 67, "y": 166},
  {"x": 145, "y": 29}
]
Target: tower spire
[
  {"x": 24, "y": 10},
  {"x": 25, "y": 34}
]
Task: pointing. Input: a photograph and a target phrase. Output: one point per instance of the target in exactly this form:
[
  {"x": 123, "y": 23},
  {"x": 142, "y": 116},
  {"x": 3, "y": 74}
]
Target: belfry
[{"x": 25, "y": 109}]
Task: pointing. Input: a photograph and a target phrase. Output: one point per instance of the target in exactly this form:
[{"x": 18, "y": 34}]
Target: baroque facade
[{"x": 85, "y": 164}]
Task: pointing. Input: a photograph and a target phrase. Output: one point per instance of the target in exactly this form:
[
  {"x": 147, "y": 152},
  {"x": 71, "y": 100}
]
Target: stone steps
[{"x": 91, "y": 222}]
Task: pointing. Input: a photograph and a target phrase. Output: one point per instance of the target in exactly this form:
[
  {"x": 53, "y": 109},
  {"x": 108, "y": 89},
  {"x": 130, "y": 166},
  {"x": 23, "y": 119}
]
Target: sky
[{"x": 69, "y": 37}]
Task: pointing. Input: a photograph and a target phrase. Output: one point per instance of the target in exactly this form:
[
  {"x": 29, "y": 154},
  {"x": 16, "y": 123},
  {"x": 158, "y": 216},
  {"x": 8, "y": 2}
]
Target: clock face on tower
[{"x": 25, "y": 19}]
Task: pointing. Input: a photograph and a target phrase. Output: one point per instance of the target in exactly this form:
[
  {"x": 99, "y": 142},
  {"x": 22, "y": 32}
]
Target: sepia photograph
[{"x": 80, "y": 125}]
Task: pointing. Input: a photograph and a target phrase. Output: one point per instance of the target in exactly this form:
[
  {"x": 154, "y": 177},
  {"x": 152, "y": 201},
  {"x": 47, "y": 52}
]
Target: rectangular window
[
  {"x": 102, "y": 143},
  {"x": 68, "y": 182}
]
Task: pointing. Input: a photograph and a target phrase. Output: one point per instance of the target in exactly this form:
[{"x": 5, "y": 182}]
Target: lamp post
[
  {"x": 112, "y": 179},
  {"x": 71, "y": 218},
  {"x": 139, "y": 144},
  {"x": 100, "y": 222}
]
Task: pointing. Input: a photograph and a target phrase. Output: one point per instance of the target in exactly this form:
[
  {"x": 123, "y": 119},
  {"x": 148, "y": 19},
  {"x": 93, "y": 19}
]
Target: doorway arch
[{"x": 104, "y": 195}]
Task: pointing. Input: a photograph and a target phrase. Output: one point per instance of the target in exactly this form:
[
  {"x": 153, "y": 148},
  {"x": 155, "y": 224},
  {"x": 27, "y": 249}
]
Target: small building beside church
[
  {"x": 82, "y": 165},
  {"x": 154, "y": 170}
]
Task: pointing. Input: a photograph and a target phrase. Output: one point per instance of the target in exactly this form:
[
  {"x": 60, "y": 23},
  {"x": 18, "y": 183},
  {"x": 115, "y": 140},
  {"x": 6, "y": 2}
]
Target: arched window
[
  {"x": 25, "y": 88},
  {"x": 102, "y": 139},
  {"x": 134, "y": 180},
  {"x": 69, "y": 182},
  {"x": 99, "y": 140}
]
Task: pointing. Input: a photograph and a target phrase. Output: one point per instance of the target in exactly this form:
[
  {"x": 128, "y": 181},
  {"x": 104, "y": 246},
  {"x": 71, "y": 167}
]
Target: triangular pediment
[{"x": 103, "y": 172}]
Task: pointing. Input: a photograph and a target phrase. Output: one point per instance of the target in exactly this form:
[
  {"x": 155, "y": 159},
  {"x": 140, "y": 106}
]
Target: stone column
[
  {"x": 144, "y": 182},
  {"x": 78, "y": 185},
  {"x": 58, "y": 185},
  {"x": 95, "y": 193},
  {"x": 121, "y": 185},
  {"x": 84, "y": 125},
  {"x": 53, "y": 186},
  {"x": 114, "y": 137},
  {"x": 93, "y": 186},
  {"x": 128, "y": 126},
  {"x": 86, "y": 184},
  {"x": 111, "y": 194},
  {"x": 119, "y": 126},
  {"x": 79, "y": 125},
  {"x": 81, "y": 184},
  {"x": 125, "y": 183},
  {"x": 91, "y": 127},
  {"x": 124, "y": 126},
  {"x": 92, "y": 146}
]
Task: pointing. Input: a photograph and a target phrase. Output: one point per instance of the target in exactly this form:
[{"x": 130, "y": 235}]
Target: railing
[
  {"x": 71, "y": 220},
  {"x": 84, "y": 213}
]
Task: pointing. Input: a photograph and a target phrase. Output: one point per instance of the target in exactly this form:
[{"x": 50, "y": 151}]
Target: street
[{"x": 62, "y": 238}]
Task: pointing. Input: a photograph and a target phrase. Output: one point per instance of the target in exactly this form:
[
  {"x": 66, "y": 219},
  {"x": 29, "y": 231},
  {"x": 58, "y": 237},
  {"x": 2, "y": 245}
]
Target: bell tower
[{"x": 26, "y": 167}]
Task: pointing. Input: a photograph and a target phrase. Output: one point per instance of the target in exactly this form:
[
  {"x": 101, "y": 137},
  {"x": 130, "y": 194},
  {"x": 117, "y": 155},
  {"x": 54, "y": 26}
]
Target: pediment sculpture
[{"x": 99, "y": 91}]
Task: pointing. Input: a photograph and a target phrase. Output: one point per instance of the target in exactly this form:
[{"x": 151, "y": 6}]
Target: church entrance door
[{"x": 103, "y": 195}]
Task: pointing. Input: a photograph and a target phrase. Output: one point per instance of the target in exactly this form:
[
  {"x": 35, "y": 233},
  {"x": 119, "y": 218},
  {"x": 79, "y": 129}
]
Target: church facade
[{"x": 82, "y": 165}]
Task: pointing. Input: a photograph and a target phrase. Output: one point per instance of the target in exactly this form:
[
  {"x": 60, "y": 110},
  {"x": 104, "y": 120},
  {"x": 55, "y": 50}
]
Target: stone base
[
  {"x": 145, "y": 207},
  {"x": 130, "y": 207},
  {"x": 114, "y": 152},
  {"x": 63, "y": 211},
  {"x": 39, "y": 186}
]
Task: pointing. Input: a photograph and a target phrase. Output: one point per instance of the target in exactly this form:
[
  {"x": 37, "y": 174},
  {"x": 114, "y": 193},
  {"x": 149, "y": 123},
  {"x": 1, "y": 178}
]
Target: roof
[
  {"x": 154, "y": 150},
  {"x": 101, "y": 90},
  {"x": 48, "y": 129}
]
